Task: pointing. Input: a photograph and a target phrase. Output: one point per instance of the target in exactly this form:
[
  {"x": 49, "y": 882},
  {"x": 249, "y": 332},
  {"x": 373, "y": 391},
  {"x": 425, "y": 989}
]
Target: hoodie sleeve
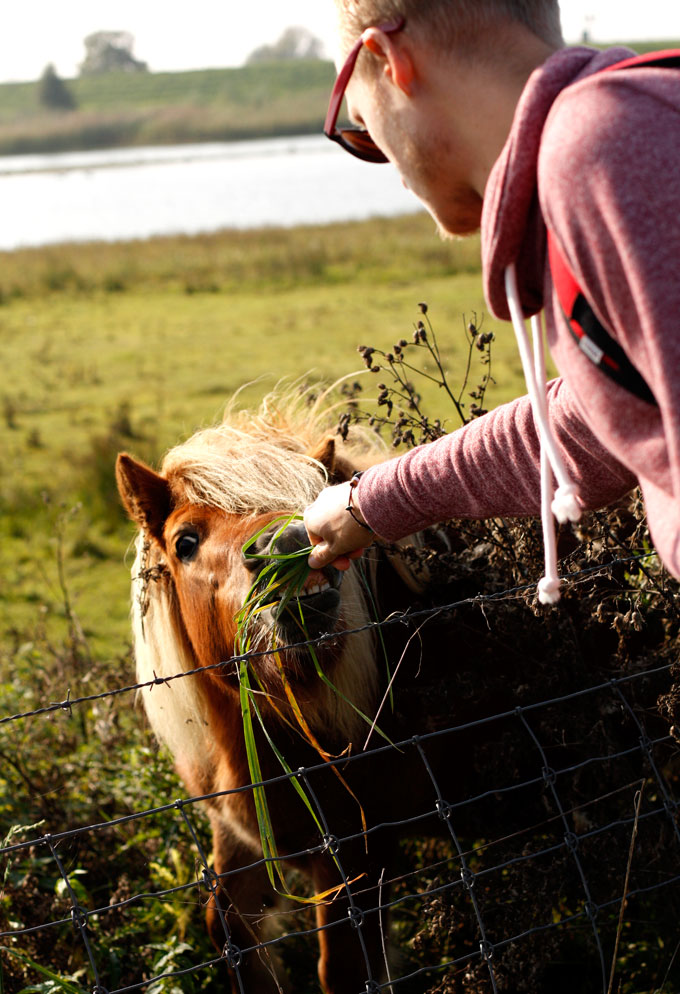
[{"x": 489, "y": 468}]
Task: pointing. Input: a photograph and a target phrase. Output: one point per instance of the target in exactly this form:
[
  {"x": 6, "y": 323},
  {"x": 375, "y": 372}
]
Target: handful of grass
[{"x": 279, "y": 583}]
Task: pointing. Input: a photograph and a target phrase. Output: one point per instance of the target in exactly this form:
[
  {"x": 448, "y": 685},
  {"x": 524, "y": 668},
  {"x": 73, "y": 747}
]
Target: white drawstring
[{"x": 564, "y": 505}]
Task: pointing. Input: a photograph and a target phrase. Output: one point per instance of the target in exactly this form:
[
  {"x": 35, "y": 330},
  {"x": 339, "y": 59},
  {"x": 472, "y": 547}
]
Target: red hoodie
[{"x": 597, "y": 163}]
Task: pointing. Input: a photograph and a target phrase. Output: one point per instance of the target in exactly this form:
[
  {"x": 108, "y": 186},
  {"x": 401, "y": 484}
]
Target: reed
[{"x": 230, "y": 261}]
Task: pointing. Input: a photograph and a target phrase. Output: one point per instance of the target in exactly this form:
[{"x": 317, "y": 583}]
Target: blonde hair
[
  {"x": 453, "y": 23},
  {"x": 251, "y": 463}
]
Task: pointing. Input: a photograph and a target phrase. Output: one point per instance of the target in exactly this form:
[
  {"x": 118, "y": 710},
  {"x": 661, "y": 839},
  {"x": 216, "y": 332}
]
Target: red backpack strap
[
  {"x": 588, "y": 331},
  {"x": 667, "y": 58}
]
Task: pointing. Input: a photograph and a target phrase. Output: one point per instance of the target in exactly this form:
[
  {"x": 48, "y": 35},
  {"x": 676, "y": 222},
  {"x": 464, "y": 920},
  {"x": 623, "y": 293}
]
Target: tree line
[{"x": 112, "y": 51}]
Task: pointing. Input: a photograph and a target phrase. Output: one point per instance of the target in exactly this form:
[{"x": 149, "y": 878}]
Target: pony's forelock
[{"x": 255, "y": 463}]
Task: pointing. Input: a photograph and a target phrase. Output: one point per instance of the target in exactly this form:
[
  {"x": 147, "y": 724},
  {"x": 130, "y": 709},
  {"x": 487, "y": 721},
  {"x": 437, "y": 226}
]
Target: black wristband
[{"x": 352, "y": 484}]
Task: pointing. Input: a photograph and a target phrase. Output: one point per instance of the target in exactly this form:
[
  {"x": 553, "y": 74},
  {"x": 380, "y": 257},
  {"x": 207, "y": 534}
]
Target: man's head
[
  {"x": 461, "y": 24},
  {"x": 435, "y": 86}
]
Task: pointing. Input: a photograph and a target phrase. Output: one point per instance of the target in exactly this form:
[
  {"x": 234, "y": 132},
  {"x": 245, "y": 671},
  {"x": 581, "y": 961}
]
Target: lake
[{"x": 186, "y": 189}]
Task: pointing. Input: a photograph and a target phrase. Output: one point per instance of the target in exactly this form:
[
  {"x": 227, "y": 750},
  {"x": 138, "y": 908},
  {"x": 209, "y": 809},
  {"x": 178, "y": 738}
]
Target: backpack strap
[
  {"x": 667, "y": 58},
  {"x": 590, "y": 334},
  {"x": 592, "y": 337}
]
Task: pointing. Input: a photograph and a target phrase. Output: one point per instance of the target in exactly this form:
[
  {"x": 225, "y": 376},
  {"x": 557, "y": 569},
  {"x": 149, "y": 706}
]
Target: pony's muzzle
[
  {"x": 318, "y": 590},
  {"x": 273, "y": 541}
]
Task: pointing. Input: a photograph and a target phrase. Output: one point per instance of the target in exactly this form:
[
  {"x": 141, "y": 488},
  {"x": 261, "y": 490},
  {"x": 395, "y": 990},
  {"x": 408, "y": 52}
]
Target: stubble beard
[
  {"x": 459, "y": 216},
  {"x": 454, "y": 203}
]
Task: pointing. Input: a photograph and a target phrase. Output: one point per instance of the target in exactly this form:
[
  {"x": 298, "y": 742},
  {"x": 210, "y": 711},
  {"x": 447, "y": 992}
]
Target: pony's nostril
[{"x": 291, "y": 539}]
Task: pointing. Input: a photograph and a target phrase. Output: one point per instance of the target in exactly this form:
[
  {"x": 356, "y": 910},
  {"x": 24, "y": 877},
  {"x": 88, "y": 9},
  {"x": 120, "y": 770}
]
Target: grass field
[
  {"x": 135, "y": 345},
  {"x": 164, "y": 108}
]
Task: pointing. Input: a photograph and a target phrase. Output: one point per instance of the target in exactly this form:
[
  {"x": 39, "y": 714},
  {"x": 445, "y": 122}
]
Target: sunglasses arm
[
  {"x": 343, "y": 78},
  {"x": 340, "y": 86}
]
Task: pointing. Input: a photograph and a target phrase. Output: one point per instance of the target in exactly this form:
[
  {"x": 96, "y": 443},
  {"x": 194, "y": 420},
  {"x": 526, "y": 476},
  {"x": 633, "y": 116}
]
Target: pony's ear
[
  {"x": 146, "y": 496},
  {"x": 339, "y": 468},
  {"x": 324, "y": 453}
]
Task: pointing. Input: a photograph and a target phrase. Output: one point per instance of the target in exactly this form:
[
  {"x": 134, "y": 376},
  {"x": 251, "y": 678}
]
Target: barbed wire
[
  {"x": 396, "y": 618},
  {"x": 466, "y": 876}
]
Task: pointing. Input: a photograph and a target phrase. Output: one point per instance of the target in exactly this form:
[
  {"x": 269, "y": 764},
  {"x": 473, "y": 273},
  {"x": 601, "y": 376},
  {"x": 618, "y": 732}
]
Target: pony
[{"x": 213, "y": 493}]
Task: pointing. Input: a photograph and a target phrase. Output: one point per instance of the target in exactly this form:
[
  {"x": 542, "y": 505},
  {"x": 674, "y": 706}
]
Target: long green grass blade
[
  {"x": 261, "y": 807},
  {"x": 63, "y": 985},
  {"x": 287, "y": 770}
]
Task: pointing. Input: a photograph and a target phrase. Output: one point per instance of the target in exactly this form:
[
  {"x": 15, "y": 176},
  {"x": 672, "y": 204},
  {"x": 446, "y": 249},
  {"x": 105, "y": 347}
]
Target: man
[{"x": 491, "y": 121}]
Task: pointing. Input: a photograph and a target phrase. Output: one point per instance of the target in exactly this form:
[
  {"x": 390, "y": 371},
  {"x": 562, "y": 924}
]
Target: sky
[{"x": 170, "y": 35}]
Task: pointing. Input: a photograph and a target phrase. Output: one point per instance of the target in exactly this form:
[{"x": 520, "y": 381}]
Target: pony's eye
[{"x": 186, "y": 545}]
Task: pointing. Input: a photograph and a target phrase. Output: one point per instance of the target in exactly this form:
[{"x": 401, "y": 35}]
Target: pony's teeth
[{"x": 316, "y": 589}]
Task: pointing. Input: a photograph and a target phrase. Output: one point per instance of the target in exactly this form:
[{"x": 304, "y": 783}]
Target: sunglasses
[{"x": 356, "y": 141}]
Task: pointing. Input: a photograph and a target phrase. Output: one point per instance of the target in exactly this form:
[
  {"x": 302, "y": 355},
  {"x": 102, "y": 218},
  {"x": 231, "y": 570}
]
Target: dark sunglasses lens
[{"x": 361, "y": 144}]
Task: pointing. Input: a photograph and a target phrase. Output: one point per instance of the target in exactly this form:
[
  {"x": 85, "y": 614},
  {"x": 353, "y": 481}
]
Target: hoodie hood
[{"x": 513, "y": 230}]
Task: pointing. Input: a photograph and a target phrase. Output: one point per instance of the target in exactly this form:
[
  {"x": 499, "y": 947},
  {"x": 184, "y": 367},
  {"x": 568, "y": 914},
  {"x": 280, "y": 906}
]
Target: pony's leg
[
  {"x": 248, "y": 911},
  {"x": 342, "y": 963}
]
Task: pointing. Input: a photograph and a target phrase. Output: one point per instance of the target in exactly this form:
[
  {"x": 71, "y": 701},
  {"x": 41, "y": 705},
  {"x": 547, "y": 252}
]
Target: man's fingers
[{"x": 319, "y": 557}]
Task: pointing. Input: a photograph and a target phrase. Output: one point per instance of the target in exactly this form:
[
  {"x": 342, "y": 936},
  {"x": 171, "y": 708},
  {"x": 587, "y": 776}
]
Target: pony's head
[{"x": 213, "y": 494}]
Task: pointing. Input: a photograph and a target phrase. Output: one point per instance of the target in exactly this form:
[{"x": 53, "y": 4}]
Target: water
[{"x": 186, "y": 189}]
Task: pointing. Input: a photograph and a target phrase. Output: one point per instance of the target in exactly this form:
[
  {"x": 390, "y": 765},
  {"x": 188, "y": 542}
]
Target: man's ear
[
  {"x": 145, "y": 495},
  {"x": 395, "y": 56}
]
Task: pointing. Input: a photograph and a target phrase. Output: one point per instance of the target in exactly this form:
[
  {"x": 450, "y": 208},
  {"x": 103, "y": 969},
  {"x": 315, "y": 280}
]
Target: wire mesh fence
[{"x": 532, "y": 847}]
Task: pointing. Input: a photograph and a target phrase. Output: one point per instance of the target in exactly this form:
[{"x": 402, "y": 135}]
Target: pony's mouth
[
  {"x": 312, "y": 610},
  {"x": 319, "y": 582}
]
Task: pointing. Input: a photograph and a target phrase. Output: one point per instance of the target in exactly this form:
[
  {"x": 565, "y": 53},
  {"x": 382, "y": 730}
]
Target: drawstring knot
[
  {"x": 549, "y": 590},
  {"x": 565, "y": 507},
  {"x": 564, "y": 504}
]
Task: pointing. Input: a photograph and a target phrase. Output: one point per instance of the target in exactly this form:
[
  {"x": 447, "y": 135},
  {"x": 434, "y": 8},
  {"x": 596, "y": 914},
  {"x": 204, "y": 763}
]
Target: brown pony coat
[{"x": 220, "y": 487}]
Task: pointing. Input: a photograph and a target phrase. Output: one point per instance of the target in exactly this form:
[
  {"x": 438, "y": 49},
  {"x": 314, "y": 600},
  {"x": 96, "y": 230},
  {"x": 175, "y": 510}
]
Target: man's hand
[{"x": 336, "y": 536}]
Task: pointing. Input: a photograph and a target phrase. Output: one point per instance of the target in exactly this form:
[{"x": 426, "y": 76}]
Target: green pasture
[
  {"x": 249, "y": 86},
  {"x": 119, "y": 109}
]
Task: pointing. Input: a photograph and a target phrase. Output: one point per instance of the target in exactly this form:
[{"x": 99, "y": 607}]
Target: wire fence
[{"x": 552, "y": 858}]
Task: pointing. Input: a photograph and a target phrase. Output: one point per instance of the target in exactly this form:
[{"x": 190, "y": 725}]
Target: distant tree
[
  {"x": 53, "y": 93},
  {"x": 110, "y": 51},
  {"x": 294, "y": 43}
]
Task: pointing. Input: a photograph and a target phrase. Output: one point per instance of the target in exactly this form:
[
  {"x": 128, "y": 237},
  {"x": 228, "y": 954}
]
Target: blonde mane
[{"x": 250, "y": 463}]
